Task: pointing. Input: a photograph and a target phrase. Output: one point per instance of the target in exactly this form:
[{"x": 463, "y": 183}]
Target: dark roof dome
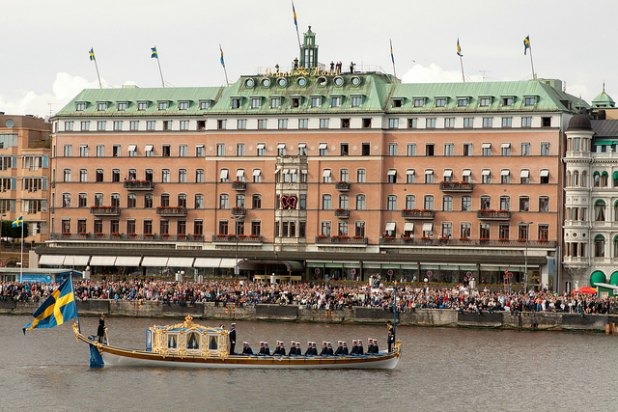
[{"x": 579, "y": 122}]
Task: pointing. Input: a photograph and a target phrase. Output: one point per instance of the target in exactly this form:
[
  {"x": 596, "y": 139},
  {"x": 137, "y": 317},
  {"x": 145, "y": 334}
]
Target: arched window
[
  {"x": 615, "y": 247},
  {"x": 596, "y": 178},
  {"x": 165, "y": 200},
  {"x": 361, "y": 203},
  {"x": 599, "y": 211},
  {"x": 599, "y": 246},
  {"x": 224, "y": 201},
  {"x": 583, "y": 181},
  {"x": 604, "y": 179}
]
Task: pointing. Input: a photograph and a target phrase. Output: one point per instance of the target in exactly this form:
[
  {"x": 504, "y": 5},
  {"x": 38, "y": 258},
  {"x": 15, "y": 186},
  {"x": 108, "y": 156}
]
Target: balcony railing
[
  {"x": 237, "y": 238},
  {"x": 342, "y": 213},
  {"x": 350, "y": 240},
  {"x": 172, "y": 211},
  {"x": 342, "y": 186},
  {"x": 138, "y": 184},
  {"x": 105, "y": 210},
  {"x": 240, "y": 186},
  {"x": 418, "y": 214},
  {"x": 494, "y": 214},
  {"x": 127, "y": 237},
  {"x": 461, "y": 187},
  {"x": 238, "y": 212}
]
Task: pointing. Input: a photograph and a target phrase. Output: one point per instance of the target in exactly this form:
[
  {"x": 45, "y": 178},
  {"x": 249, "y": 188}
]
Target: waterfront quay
[{"x": 537, "y": 321}]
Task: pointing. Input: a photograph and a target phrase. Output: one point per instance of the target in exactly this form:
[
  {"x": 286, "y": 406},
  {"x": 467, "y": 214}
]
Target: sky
[{"x": 44, "y": 58}]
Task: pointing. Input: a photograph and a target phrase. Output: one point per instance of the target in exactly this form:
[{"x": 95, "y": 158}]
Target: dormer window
[
  {"x": 101, "y": 106},
  {"x": 397, "y": 102},
  {"x": 441, "y": 101},
  {"x": 80, "y": 106},
  {"x": 122, "y": 106},
  {"x": 183, "y": 105},
  {"x": 205, "y": 104},
  {"x": 163, "y": 105},
  {"x": 256, "y": 102},
  {"x": 485, "y": 101},
  {"x": 530, "y": 100},
  {"x": 141, "y": 106},
  {"x": 335, "y": 101},
  {"x": 357, "y": 100},
  {"x": 236, "y": 102},
  {"x": 275, "y": 102},
  {"x": 508, "y": 100},
  {"x": 463, "y": 101},
  {"x": 316, "y": 101},
  {"x": 418, "y": 102}
]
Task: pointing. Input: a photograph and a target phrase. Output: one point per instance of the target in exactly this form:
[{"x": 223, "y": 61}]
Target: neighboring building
[
  {"x": 332, "y": 173},
  {"x": 591, "y": 196},
  {"x": 24, "y": 173}
]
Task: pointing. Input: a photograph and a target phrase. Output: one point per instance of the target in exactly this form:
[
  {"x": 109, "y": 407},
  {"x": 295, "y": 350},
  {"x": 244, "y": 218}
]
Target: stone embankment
[{"x": 358, "y": 315}]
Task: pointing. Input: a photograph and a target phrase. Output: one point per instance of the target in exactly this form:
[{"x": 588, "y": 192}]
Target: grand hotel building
[{"x": 323, "y": 172}]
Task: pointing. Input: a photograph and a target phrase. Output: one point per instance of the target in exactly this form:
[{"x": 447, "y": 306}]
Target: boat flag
[
  {"x": 526, "y": 44},
  {"x": 153, "y": 53},
  {"x": 18, "y": 222},
  {"x": 59, "y": 307},
  {"x": 91, "y": 54},
  {"x": 459, "y": 49}
]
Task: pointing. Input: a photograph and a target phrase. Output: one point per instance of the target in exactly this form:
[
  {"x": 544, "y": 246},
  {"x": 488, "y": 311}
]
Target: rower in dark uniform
[
  {"x": 314, "y": 349},
  {"x": 324, "y": 350},
  {"x": 329, "y": 349},
  {"x": 390, "y": 339},
  {"x": 361, "y": 351},
  {"x": 345, "y": 350},
  {"x": 308, "y": 352},
  {"x": 246, "y": 349},
  {"x": 354, "y": 350},
  {"x": 339, "y": 348}
]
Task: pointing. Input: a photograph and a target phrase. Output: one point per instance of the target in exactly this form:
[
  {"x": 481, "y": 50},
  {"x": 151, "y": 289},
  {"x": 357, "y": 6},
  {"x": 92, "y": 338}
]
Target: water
[{"x": 440, "y": 370}]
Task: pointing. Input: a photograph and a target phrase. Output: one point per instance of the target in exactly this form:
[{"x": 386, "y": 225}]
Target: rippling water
[{"x": 440, "y": 370}]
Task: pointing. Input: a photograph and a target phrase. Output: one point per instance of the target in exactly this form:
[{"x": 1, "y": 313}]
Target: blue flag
[
  {"x": 59, "y": 307},
  {"x": 18, "y": 222},
  {"x": 153, "y": 53},
  {"x": 221, "y": 58},
  {"x": 91, "y": 54}
]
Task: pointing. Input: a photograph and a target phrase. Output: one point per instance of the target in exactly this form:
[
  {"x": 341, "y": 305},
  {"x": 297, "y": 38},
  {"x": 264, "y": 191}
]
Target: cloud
[{"x": 64, "y": 88}]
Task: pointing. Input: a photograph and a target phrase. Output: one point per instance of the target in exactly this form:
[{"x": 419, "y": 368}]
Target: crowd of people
[{"x": 311, "y": 295}]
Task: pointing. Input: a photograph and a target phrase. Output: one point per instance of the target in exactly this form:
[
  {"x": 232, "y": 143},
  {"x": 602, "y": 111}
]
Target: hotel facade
[{"x": 318, "y": 171}]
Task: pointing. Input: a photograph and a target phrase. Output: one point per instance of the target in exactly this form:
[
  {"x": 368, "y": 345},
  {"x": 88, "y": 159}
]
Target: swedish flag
[
  {"x": 221, "y": 58},
  {"x": 153, "y": 53},
  {"x": 18, "y": 222},
  {"x": 59, "y": 307},
  {"x": 91, "y": 54},
  {"x": 526, "y": 44}
]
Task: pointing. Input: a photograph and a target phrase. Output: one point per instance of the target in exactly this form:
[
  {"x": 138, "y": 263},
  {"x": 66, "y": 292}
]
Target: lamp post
[{"x": 527, "y": 224}]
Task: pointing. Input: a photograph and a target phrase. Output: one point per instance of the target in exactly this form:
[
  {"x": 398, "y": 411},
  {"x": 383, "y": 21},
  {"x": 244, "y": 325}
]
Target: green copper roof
[
  {"x": 603, "y": 100},
  {"x": 294, "y": 93}
]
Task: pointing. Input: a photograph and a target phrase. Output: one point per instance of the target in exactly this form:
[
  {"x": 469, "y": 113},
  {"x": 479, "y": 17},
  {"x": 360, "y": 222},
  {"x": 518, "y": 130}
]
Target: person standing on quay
[{"x": 232, "y": 337}]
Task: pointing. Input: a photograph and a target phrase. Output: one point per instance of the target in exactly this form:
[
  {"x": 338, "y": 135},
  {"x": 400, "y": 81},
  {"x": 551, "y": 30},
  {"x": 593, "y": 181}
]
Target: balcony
[
  {"x": 343, "y": 186},
  {"x": 342, "y": 213},
  {"x": 417, "y": 214},
  {"x": 494, "y": 215},
  {"x": 350, "y": 240},
  {"x": 105, "y": 210},
  {"x": 238, "y": 212},
  {"x": 172, "y": 211},
  {"x": 239, "y": 186},
  {"x": 456, "y": 187},
  {"x": 139, "y": 185},
  {"x": 237, "y": 239}
]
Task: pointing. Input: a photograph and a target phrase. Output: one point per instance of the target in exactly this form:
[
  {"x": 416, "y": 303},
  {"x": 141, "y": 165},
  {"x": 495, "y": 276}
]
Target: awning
[
  {"x": 76, "y": 260},
  {"x": 228, "y": 263},
  {"x": 180, "y": 262},
  {"x": 486, "y": 145},
  {"x": 302, "y": 145},
  {"x": 102, "y": 260},
  {"x": 505, "y": 172},
  {"x": 486, "y": 172},
  {"x": 448, "y": 173},
  {"x": 466, "y": 172},
  {"x": 154, "y": 261},
  {"x": 224, "y": 174},
  {"x": 326, "y": 173},
  {"x": 51, "y": 260},
  {"x": 408, "y": 227},
  {"x": 293, "y": 171},
  {"x": 429, "y": 172},
  {"x": 260, "y": 146},
  {"x": 149, "y": 148},
  {"x": 392, "y": 172},
  {"x": 206, "y": 262},
  {"x": 286, "y": 171},
  {"x": 506, "y": 145},
  {"x": 257, "y": 172},
  {"x": 525, "y": 173},
  {"x": 132, "y": 147},
  {"x": 427, "y": 227},
  {"x": 322, "y": 146},
  {"x": 128, "y": 260},
  {"x": 390, "y": 226},
  {"x": 545, "y": 173},
  {"x": 281, "y": 146},
  {"x": 240, "y": 173},
  {"x": 410, "y": 171},
  {"x": 200, "y": 146},
  {"x": 304, "y": 171}
]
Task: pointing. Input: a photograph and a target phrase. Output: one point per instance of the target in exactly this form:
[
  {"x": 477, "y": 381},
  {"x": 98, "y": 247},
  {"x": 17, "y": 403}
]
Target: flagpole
[
  {"x": 532, "y": 64},
  {"x": 156, "y": 52},
  {"x": 296, "y": 24},
  {"x": 463, "y": 77},
  {"x": 392, "y": 57},
  {"x": 96, "y": 66}
]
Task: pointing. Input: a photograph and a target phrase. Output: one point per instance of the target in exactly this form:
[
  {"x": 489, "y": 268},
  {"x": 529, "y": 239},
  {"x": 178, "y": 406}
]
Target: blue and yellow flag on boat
[{"x": 59, "y": 307}]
